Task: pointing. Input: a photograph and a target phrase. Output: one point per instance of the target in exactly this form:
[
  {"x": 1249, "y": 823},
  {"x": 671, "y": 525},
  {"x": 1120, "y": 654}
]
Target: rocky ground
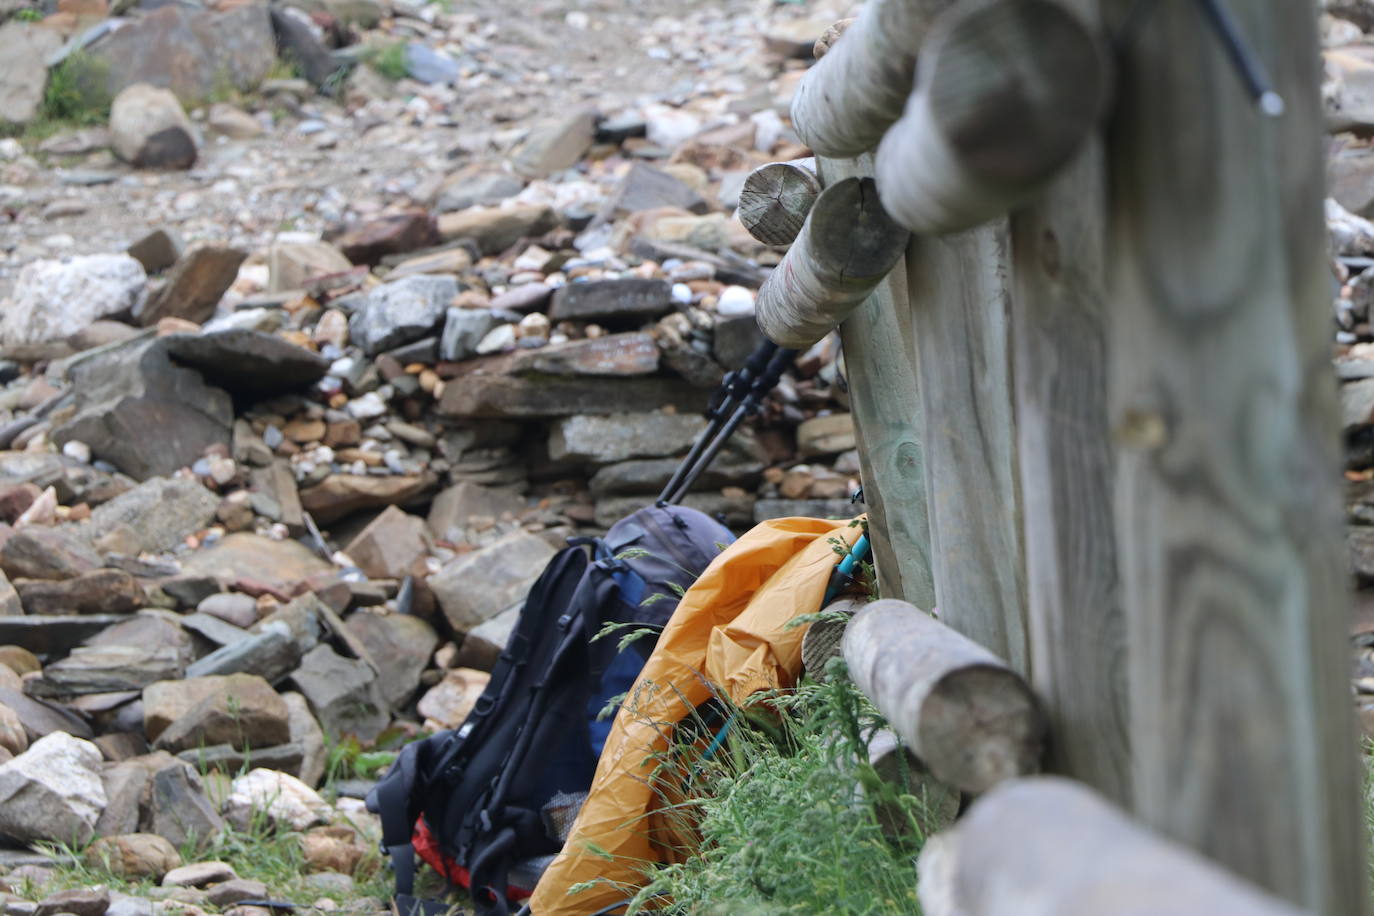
[
  {"x": 310, "y": 359},
  {"x": 310, "y": 363}
]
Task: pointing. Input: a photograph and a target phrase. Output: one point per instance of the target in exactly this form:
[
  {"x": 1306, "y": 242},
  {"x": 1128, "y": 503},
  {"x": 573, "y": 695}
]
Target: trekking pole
[
  {"x": 735, "y": 387},
  {"x": 778, "y": 364}
]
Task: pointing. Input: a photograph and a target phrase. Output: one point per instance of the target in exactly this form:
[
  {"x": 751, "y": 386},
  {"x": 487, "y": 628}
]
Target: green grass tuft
[
  {"x": 791, "y": 818},
  {"x": 76, "y": 92},
  {"x": 390, "y": 61}
]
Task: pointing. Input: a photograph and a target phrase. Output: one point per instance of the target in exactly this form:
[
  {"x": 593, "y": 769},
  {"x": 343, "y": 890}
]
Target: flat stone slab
[{"x": 50, "y": 635}]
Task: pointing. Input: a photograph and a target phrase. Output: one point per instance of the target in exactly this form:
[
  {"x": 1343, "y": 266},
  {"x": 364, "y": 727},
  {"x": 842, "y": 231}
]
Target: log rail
[{"x": 1086, "y": 367}]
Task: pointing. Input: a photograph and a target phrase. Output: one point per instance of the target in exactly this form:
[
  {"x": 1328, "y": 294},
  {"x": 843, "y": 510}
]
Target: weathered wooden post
[
  {"x": 1227, "y": 500},
  {"x": 1076, "y": 626}
]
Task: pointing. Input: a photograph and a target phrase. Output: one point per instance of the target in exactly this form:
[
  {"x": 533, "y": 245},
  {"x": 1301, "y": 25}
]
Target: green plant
[
  {"x": 390, "y": 61},
  {"x": 76, "y": 93},
  {"x": 790, "y": 815},
  {"x": 29, "y": 14}
]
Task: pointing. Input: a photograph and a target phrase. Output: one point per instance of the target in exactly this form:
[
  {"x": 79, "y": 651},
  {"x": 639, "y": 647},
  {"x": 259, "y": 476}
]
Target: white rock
[
  {"x": 280, "y": 797},
  {"x": 366, "y": 407},
  {"x": 52, "y": 791},
  {"x": 54, "y": 299},
  {"x": 668, "y": 127},
  {"x": 735, "y": 300},
  {"x": 149, "y": 129},
  {"x": 77, "y": 451},
  {"x": 497, "y": 340}
]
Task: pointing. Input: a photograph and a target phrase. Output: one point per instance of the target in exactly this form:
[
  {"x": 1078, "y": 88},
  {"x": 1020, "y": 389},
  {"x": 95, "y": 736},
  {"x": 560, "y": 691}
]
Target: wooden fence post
[
  {"x": 1076, "y": 627},
  {"x": 880, "y": 358},
  {"x": 1227, "y": 497},
  {"x": 960, "y": 301}
]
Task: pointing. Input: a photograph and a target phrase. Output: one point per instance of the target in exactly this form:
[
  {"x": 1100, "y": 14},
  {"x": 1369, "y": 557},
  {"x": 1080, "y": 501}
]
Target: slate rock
[
  {"x": 194, "y": 285},
  {"x": 555, "y": 145},
  {"x": 648, "y": 476},
  {"x": 735, "y": 339},
  {"x": 156, "y": 516},
  {"x": 248, "y": 362},
  {"x": 235, "y": 890},
  {"x": 308, "y": 736},
  {"x": 107, "y": 669},
  {"x": 52, "y": 300},
  {"x": 231, "y": 760},
  {"x": 193, "y": 52},
  {"x": 270, "y": 654},
  {"x": 80, "y": 901},
  {"x": 391, "y": 545},
  {"x": 343, "y": 692},
  {"x": 828, "y": 435},
  {"x": 231, "y": 607},
  {"x": 452, "y": 510},
  {"x": 10, "y": 604},
  {"x": 52, "y": 791},
  {"x": 199, "y": 874},
  {"x": 478, "y": 585},
  {"x": 402, "y": 311},
  {"x": 298, "y": 44},
  {"x": 178, "y": 808},
  {"x": 766, "y": 509},
  {"x": 157, "y": 250},
  {"x": 613, "y": 355},
  {"x": 279, "y": 564},
  {"x": 48, "y": 635},
  {"x": 122, "y": 394},
  {"x": 608, "y": 301},
  {"x": 472, "y": 189},
  {"x": 24, "y": 49},
  {"x": 214, "y": 631},
  {"x": 647, "y": 188},
  {"x": 240, "y": 710},
  {"x": 133, "y": 855},
  {"x": 290, "y": 265},
  {"x": 100, "y": 591},
  {"x": 400, "y": 645},
  {"x": 494, "y": 229},
  {"x": 125, "y": 784},
  {"x": 41, "y": 718},
  {"x": 464, "y": 330},
  {"x": 150, "y": 130},
  {"x": 497, "y": 396},
  {"x": 606, "y": 439},
  {"x": 340, "y": 495},
  {"x": 38, "y": 552},
  {"x": 396, "y": 233},
  {"x": 429, "y": 66}
]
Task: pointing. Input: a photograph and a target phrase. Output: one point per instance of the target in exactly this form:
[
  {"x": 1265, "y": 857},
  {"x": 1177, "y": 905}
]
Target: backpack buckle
[
  {"x": 565, "y": 621},
  {"x": 482, "y": 707}
]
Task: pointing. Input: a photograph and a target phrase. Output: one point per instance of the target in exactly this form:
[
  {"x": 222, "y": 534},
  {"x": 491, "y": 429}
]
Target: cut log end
[
  {"x": 972, "y": 720},
  {"x": 775, "y": 201},
  {"x": 1007, "y": 92},
  {"x": 829, "y": 37}
]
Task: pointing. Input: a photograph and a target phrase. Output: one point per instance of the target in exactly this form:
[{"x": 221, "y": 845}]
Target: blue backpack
[{"x": 490, "y": 803}]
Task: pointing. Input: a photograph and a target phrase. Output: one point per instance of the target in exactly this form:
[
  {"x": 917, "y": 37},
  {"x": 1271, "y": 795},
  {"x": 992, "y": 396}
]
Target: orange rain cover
[{"x": 729, "y": 630}]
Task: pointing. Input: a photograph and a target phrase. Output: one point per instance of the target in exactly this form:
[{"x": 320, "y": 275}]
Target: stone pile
[{"x": 262, "y": 494}]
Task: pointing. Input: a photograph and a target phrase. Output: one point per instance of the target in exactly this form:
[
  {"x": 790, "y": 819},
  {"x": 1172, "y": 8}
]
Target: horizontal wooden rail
[
  {"x": 776, "y": 199},
  {"x": 845, "y": 103},
  {"x": 1006, "y": 92},
  {"x": 972, "y": 720},
  {"x": 1048, "y": 846},
  {"x": 844, "y": 250}
]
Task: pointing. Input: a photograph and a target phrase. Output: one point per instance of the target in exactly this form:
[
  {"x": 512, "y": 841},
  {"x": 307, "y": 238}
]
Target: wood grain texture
[
  {"x": 968, "y": 717},
  {"x": 1046, "y": 846},
  {"x": 776, "y": 198},
  {"x": 1227, "y": 482},
  {"x": 846, "y": 102},
  {"x": 960, "y": 302},
  {"x": 886, "y": 405},
  {"x": 1076, "y": 625},
  {"x": 1006, "y": 93},
  {"x": 845, "y": 249}
]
